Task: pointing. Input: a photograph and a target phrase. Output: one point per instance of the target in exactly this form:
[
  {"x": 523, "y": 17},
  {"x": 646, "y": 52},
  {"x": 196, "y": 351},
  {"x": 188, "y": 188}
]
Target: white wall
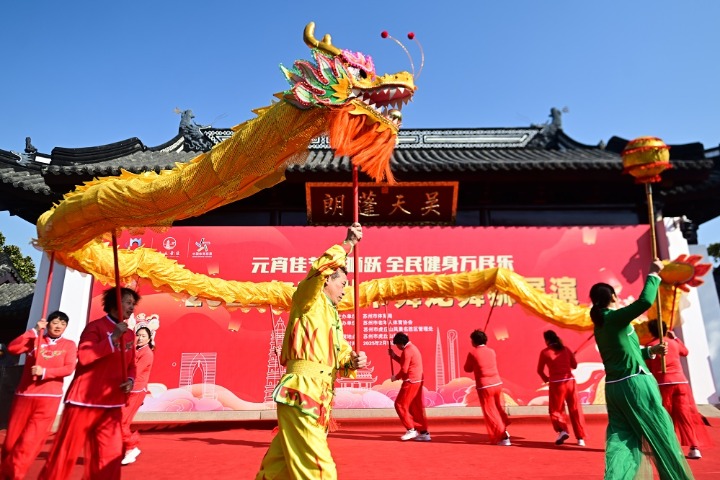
[
  {"x": 693, "y": 330},
  {"x": 710, "y": 305}
]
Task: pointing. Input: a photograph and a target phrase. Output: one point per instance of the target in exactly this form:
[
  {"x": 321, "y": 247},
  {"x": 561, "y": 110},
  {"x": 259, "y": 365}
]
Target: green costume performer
[{"x": 635, "y": 413}]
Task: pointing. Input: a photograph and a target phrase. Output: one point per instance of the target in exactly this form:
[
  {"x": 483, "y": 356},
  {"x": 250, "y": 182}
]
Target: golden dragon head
[
  {"x": 364, "y": 108},
  {"x": 337, "y": 78}
]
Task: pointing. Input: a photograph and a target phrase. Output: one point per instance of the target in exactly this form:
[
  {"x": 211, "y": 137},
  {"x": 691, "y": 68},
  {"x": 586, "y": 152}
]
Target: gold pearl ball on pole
[{"x": 645, "y": 158}]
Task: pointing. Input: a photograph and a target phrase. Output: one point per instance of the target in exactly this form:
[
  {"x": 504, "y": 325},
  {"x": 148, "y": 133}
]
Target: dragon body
[{"x": 338, "y": 94}]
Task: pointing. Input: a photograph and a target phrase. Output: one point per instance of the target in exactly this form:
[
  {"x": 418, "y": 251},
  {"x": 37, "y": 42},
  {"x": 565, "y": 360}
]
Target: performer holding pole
[
  {"x": 482, "y": 362},
  {"x": 635, "y": 412},
  {"x": 560, "y": 362},
  {"x": 93, "y": 404},
  {"x": 46, "y": 300},
  {"x": 677, "y": 396},
  {"x": 410, "y": 403},
  {"x": 356, "y": 260},
  {"x": 645, "y": 158},
  {"x": 387, "y": 328},
  {"x": 314, "y": 353},
  {"x": 118, "y": 300},
  {"x": 37, "y": 399}
]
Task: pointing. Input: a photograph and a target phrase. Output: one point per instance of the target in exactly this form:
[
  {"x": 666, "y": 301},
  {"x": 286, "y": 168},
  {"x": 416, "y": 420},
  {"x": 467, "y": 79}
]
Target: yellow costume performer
[{"x": 314, "y": 353}]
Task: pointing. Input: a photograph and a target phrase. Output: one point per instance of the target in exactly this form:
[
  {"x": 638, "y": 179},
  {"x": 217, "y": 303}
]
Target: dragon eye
[{"x": 357, "y": 72}]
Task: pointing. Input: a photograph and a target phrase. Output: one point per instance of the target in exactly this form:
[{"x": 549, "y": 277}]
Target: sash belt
[{"x": 312, "y": 369}]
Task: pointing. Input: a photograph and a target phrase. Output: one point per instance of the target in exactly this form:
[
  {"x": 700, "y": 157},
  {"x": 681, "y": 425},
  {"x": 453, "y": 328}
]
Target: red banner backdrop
[{"x": 209, "y": 358}]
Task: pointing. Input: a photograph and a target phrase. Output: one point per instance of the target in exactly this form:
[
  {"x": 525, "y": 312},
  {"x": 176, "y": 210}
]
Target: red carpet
[{"x": 371, "y": 449}]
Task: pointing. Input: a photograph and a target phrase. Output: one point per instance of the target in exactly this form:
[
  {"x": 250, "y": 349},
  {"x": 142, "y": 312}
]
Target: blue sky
[{"x": 85, "y": 73}]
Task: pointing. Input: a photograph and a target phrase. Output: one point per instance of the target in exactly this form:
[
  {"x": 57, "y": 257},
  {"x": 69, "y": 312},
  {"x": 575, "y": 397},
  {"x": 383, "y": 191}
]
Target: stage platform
[{"x": 370, "y": 448}]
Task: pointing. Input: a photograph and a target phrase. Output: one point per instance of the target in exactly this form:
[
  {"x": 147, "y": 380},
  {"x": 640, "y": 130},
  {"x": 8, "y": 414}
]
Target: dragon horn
[{"x": 325, "y": 45}]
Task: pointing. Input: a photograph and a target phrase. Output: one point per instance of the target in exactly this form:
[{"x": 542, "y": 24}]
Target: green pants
[{"x": 637, "y": 419}]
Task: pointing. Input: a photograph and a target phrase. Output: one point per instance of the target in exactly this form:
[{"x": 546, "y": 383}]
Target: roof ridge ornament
[
  {"x": 29, "y": 147},
  {"x": 195, "y": 139},
  {"x": 28, "y": 156},
  {"x": 547, "y": 136}
]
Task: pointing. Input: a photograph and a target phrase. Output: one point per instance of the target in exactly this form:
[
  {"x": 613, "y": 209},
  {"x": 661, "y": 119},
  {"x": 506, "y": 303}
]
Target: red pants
[
  {"x": 410, "y": 408},
  {"x": 562, "y": 393},
  {"x": 493, "y": 407},
  {"x": 678, "y": 400},
  {"x": 97, "y": 430},
  {"x": 131, "y": 439},
  {"x": 30, "y": 421}
]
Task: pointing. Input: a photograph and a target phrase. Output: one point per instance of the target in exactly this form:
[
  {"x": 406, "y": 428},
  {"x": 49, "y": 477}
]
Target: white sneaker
[
  {"x": 505, "y": 442},
  {"x": 694, "y": 453},
  {"x": 130, "y": 456},
  {"x": 409, "y": 435},
  {"x": 581, "y": 442},
  {"x": 423, "y": 437},
  {"x": 562, "y": 436}
]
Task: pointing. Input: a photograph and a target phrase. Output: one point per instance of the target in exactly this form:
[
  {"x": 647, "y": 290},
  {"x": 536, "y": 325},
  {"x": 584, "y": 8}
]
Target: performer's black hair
[
  {"x": 601, "y": 295},
  {"x": 109, "y": 298},
  {"x": 653, "y": 328},
  {"x": 59, "y": 315},
  {"x": 553, "y": 341},
  {"x": 478, "y": 337},
  {"x": 150, "y": 344},
  {"x": 401, "y": 339}
]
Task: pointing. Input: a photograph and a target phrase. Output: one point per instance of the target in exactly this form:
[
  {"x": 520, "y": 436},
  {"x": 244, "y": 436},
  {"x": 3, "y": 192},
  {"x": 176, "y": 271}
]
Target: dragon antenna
[
  {"x": 385, "y": 34},
  {"x": 325, "y": 45},
  {"x": 411, "y": 36}
]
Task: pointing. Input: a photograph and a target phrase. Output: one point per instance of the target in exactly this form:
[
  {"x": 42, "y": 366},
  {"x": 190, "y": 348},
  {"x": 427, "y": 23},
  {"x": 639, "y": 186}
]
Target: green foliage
[
  {"x": 714, "y": 251},
  {"x": 24, "y": 265}
]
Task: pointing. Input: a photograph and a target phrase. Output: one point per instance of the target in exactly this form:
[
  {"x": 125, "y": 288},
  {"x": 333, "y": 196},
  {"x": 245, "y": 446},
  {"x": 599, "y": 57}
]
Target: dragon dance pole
[
  {"x": 654, "y": 248},
  {"x": 387, "y": 327},
  {"x": 46, "y": 300},
  {"x": 492, "y": 307},
  {"x": 356, "y": 266},
  {"x": 645, "y": 158},
  {"x": 583, "y": 344},
  {"x": 118, "y": 299}
]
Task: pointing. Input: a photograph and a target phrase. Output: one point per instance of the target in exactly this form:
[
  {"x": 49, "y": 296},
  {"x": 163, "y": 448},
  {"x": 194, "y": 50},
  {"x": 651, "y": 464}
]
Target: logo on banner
[
  {"x": 134, "y": 243},
  {"x": 169, "y": 244},
  {"x": 202, "y": 249}
]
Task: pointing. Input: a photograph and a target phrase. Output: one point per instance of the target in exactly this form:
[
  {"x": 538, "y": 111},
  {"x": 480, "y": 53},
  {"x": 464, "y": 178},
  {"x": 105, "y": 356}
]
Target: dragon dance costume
[
  {"x": 144, "y": 358},
  {"x": 36, "y": 401},
  {"x": 635, "y": 412},
  {"x": 482, "y": 362},
  {"x": 314, "y": 353},
  {"x": 562, "y": 390},
  {"x": 93, "y": 407},
  {"x": 410, "y": 403},
  {"x": 677, "y": 396}
]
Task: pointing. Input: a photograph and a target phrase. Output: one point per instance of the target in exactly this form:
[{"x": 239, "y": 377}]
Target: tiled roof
[
  {"x": 16, "y": 300},
  {"x": 22, "y": 176},
  {"x": 136, "y": 162},
  {"x": 466, "y": 154},
  {"x": 488, "y": 150}
]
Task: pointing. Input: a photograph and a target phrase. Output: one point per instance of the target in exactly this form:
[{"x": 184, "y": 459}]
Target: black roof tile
[{"x": 472, "y": 153}]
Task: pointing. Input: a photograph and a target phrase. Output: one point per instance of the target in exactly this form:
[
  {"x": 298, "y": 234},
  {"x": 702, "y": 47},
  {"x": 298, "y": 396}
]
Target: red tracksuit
[
  {"x": 409, "y": 403},
  {"x": 561, "y": 384},
  {"x": 93, "y": 404},
  {"x": 677, "y": 396},
  {"x": 36, "y": 401},
  {"x": 482, "y": 362},
  {"x": 143, "y": 364}
]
